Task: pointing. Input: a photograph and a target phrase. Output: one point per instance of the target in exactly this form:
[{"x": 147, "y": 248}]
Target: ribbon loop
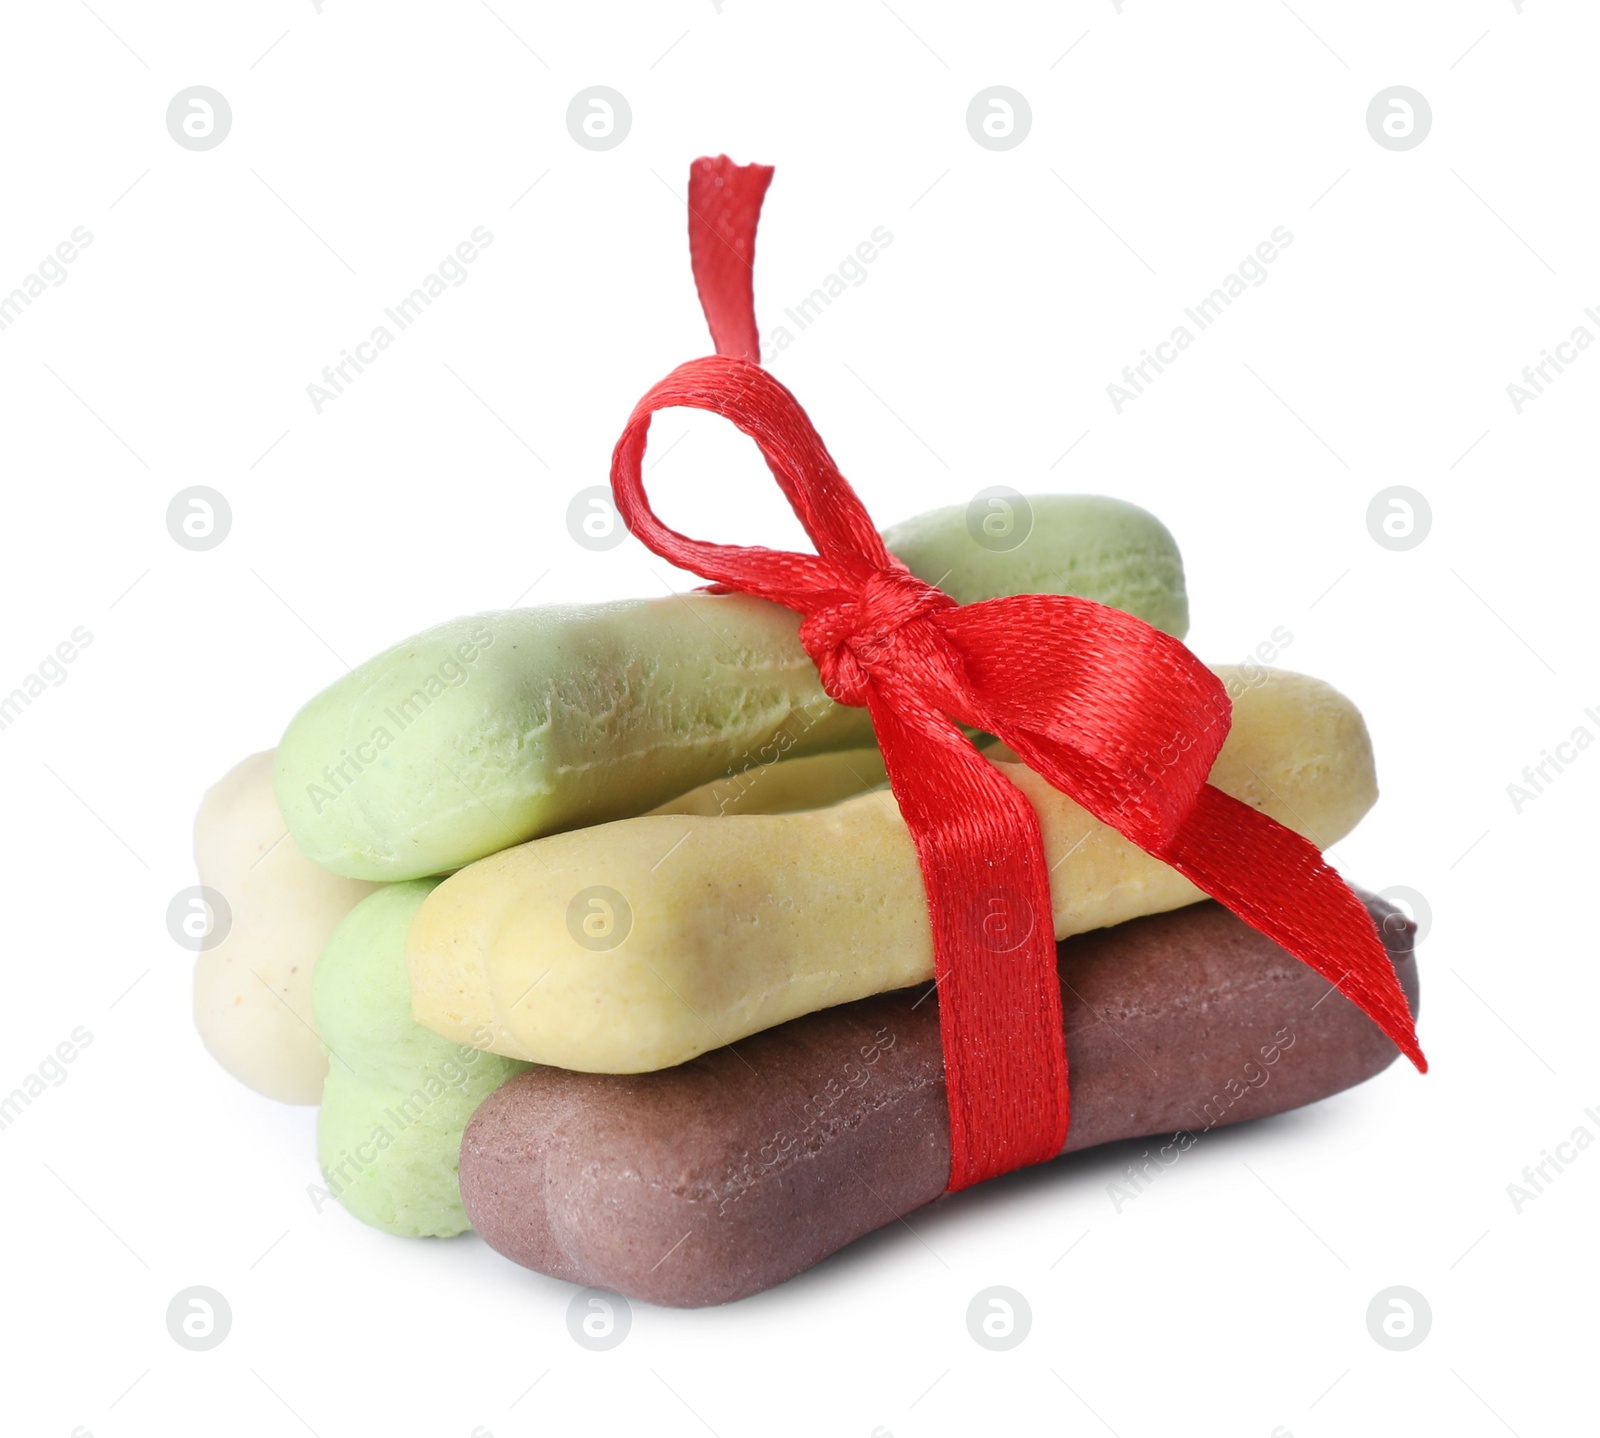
[
  {"x": 1113, "y": 712},
  {"x": 849, "y": 547}
]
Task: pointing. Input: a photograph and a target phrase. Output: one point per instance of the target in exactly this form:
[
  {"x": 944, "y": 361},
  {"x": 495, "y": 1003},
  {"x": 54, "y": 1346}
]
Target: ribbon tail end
[{"x": 1238, "y": 854}]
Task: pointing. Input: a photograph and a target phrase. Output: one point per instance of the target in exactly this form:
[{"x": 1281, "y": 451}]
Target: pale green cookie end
[
  {"x": 1087, "y": 545},
  {"x": 397, "y": 1096}
]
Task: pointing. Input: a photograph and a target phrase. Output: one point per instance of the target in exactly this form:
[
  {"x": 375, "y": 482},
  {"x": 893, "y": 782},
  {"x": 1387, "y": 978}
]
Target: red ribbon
[{"x": 1112, "y": 712}]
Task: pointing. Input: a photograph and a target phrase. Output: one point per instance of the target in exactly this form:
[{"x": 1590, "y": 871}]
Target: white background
[{"x": 1166, "y": 142}]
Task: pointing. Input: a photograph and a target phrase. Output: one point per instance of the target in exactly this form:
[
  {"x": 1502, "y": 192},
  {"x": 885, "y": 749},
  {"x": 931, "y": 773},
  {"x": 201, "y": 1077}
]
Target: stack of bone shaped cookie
[{"x": 597, "y": 929}]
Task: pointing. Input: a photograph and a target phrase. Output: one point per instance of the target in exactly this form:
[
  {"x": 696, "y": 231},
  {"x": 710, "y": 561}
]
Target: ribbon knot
[
  {"x": 1114, "y": 713},
  {"x": 865, "y": 634}
]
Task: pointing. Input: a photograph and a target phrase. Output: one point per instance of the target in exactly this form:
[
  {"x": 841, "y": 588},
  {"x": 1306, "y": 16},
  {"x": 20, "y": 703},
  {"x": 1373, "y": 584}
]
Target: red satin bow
[{"x": 1109, "y": 710}]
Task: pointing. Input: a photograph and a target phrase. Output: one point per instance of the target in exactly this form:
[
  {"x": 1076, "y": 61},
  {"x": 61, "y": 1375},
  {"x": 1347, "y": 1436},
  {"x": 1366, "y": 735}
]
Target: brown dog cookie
[{"x": 721, "y": 1177}]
